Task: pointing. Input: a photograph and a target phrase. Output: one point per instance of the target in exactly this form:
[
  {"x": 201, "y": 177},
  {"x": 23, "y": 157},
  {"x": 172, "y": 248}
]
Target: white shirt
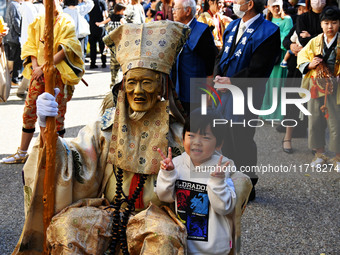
[
  {"x": 222, "y": 199},
  {"x": 28, "y": 13},
  {"x": 250, "y": 21},
  {"x": 81, "y": 10},
  {"x": 244, "y": 26},
  {"x": 137, "y": 11},
  {"x": 188, "y": 24}
]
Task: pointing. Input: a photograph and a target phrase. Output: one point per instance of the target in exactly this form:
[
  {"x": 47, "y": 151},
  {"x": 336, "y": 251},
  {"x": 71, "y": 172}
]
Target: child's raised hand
[
  {"x": 219, "y": 170},
  {"x": 166, "y": 163}
]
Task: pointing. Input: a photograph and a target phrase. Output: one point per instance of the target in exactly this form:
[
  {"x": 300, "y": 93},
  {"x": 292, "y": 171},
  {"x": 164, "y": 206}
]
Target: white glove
[{"x": 47, "y": 107}]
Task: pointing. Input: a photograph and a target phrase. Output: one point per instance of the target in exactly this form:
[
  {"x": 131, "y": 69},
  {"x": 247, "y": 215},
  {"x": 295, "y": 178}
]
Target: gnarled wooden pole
[{"x": 50, "y": 132}]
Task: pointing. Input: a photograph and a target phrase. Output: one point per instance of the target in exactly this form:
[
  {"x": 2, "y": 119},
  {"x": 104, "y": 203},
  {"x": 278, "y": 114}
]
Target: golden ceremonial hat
[{"x": 152, "y": 45}]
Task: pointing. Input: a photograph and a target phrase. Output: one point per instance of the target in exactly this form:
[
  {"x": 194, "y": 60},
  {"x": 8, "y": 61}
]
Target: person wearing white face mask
[
  {"x": 237, "y": 10},
  {"x": 251, "y": 45}
]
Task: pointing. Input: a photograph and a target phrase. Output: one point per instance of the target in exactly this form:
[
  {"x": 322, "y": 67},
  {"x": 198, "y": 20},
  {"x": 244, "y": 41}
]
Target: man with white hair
[{"x": 197, "y": 58}]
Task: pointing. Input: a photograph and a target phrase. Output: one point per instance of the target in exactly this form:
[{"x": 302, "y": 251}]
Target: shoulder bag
[{"x": 5, "y": 79}]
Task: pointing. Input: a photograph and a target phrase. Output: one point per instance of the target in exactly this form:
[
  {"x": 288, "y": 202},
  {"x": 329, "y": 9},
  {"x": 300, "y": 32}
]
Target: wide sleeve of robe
[{"x": 80, "y": 173}]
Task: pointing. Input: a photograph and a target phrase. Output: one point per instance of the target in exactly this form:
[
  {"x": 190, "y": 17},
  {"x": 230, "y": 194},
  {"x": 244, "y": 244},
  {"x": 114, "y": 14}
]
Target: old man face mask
[{"x": 142, "y": 87}]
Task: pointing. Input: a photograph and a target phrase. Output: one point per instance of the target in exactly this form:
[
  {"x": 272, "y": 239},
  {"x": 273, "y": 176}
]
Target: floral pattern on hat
[{"x": 153, "y": 45}]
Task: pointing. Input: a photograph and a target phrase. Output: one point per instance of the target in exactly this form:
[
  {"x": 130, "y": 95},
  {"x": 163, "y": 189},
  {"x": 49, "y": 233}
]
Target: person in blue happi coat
[
  {"x": 251, "y": 46},
  {"x": 197, "y": 58}
]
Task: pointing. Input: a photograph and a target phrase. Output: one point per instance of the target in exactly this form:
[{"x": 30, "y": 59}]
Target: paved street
[{"x": 294, "y": 213}]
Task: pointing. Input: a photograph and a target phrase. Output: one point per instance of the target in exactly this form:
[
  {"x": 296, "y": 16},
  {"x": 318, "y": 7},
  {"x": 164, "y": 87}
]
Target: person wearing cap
[
  {"x": 301, "y": 7},
  {"x": 114, "y": 157},
  {"x": 321, "y": 56},
  {"x": 251, "y": 45},
  {"x": 285, "y": 23},
  {"x": 295, "y": 9},
  {"x": 197, "y": 58}
]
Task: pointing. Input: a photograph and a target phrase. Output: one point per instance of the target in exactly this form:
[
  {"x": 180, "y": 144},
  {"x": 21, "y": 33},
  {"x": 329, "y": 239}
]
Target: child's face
[
  {"x": 276, "y": 10},
  {"x": 159, "y": 17},
  {"x": 330, "y": 27},
  {"x": 200, "y": 147},
  {"x": 301, "y": 9}
]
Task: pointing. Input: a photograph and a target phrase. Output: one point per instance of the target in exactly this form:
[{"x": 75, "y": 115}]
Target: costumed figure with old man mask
[
  {"x": 109, "y": 171},
  {"x": 116, "y": 157}
]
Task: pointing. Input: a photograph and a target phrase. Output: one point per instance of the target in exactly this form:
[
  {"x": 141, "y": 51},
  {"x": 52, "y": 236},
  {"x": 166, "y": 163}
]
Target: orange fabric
[
  {"x": 37, "y": 88},
  {"x": 315, "y": 88},
  {"x": 314, "y": 91}
]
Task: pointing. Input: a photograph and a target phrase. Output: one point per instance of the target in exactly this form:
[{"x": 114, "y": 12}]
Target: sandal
[
  {"x": 287, "y": 150},
  {"x": 18, "y": 158},
  {"x": 319, "y": 160}
]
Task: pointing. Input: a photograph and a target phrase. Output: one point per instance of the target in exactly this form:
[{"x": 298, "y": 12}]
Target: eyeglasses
[{"x": 178, "y": 8}]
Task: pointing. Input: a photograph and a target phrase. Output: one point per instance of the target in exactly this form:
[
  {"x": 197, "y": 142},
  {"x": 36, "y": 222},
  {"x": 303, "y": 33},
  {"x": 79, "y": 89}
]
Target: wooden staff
[{"x": 50, "y": 132}]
